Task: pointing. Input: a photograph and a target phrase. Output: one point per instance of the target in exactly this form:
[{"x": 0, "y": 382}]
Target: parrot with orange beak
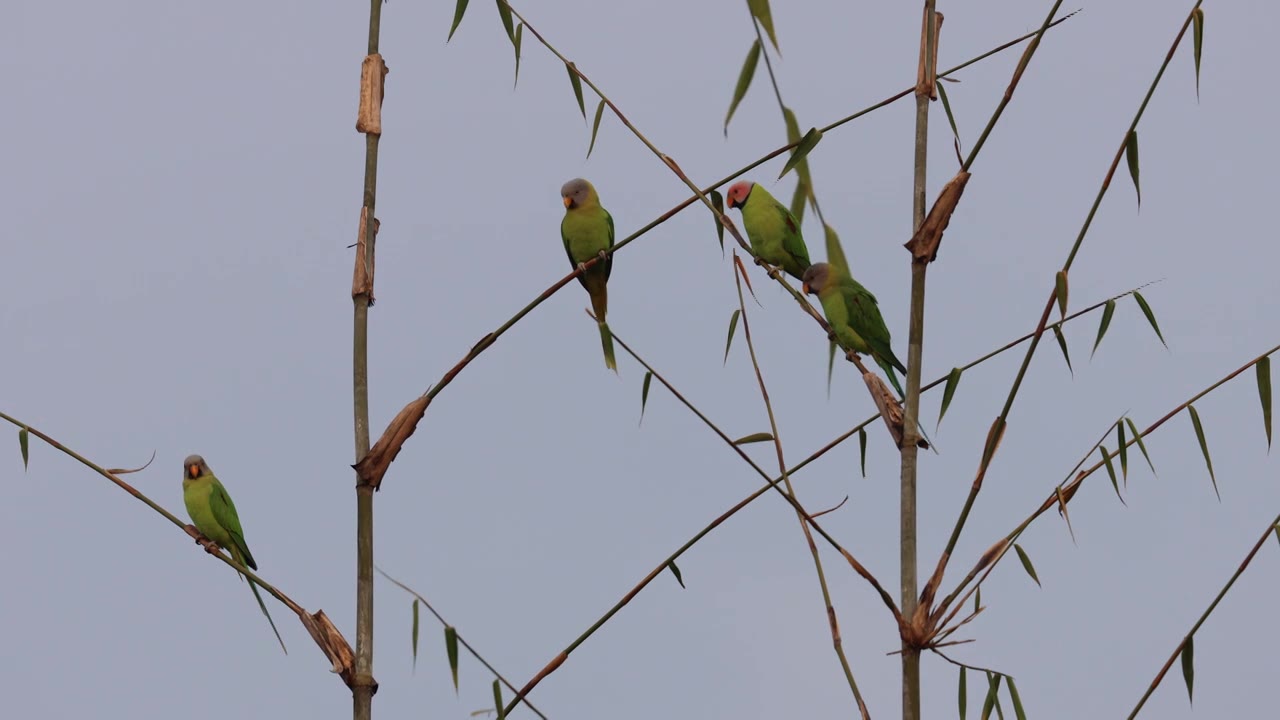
[{"x": 587, "y": 231}]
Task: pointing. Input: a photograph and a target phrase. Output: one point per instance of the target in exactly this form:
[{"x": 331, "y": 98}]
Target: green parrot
[
  {"x": 214, "y": 515},
  {"x": 587, "y": 231},
  {"x": 854, "y": 316},
  {"x": 773, "y": 230}
]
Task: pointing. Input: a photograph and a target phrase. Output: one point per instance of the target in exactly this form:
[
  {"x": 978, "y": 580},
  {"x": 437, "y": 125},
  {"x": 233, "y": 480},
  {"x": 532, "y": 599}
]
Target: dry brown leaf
[
  {"x": 374, "y": 464},
  {"x": 924, "y": 244}
]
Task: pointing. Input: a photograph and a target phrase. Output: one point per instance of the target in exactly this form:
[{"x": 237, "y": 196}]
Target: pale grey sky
[{"x": 181, "y": 181}]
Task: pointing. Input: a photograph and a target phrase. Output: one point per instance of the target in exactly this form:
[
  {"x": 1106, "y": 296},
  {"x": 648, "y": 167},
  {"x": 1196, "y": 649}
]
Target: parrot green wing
[
  {"x": 792, "y": 240},
  {"x": 866, "y": 320},
  {"x": 224, "y": 511},
  {"x": 608, "y": 262}
]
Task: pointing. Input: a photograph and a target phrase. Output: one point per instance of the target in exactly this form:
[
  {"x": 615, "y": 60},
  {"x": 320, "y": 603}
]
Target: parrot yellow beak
[
  {"x": 805, "y": 288},
  {"x": 193, "y": 470},
  {"x": 568, "y": 202}
]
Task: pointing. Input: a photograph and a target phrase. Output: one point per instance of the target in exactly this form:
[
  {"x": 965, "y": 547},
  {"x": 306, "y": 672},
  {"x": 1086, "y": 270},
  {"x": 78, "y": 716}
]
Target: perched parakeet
[
  {"x": 854, "y": 316},
  {"x": 772, "y": 229},
  {"x": 214, "y": 515},
  {"x": 587, "y": 231}
]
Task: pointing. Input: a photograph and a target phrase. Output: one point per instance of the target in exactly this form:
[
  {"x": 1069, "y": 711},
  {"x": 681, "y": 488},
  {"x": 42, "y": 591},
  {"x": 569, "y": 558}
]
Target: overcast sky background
[{"x": 180, "y": 182}]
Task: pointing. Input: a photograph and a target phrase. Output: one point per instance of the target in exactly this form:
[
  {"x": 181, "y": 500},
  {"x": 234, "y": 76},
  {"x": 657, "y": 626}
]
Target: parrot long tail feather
[
  {"x": 893, "y": 378},
  {"x": 254, "y": 587},
  {"x": 606, "y": 339}
]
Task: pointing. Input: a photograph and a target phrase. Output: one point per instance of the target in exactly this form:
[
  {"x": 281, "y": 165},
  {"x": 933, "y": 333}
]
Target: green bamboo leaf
[
  {"x": 458, "y": 12},
  {"x": 831, "y": 364},
  {"x": 1060, "y": 291},
  {"x": 1188, "y": 665},
  {"x": 807, "y": 144},
  {"x": 498, "y": 705},
  {"x": 516, "y": 43},
  {"x": 977, "y": 599},
  {"x": 862, "y": 449},
  {"x": 451, "y": 640},
  {"x": 733, "y": 325},
  {"x": 760, "y": 11},
  {"x": 802, "y": 167},
  {"x": 1124, "y": 452},
  {"x": 953, "y": 381},
  {"x": 1017, "y": 701},
  {"x": 946, "y": 105},
  {"x": 1111, "y": 470},
  {"x": 671, "y": 565},
  {"x": 1197, "y": 33},
  {"x": 1107, "y": 312},
  {"x": 1263, "y": 367},
  {"x": 1131, "y": 155},
  {"x": 1151, "y": 317},
  {"x": 964, "y": 692},
  {"x": 835, "y": 252},
  {"x": 1062, "y": 344},
  {"x": 718, "y": 201},
  {"x": 753, "y": 438},
  {"x": 1204, "y": 446},
  {"x": 1026, "y": 563},
  {"x": 744, "y": 82},
  {"x": 644, "y": 393},
  {"x": 595, "y": 128},
  {"x": 993, "y": 687},
  {"x": 1137, "y": 437},
  {"x": 504, "y": 12},
  {"x": 24, "y": 442},
  {"x": 799, "y": 199},
  {"x": 414, "y": 634},
  {"x": 577, "y": 87}
]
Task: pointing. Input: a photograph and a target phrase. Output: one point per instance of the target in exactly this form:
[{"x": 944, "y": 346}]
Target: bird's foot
[
  {"x": 604, "y": 256},
  {"x": 831, "y": 335},
  {"x": 582, "y": 267}
]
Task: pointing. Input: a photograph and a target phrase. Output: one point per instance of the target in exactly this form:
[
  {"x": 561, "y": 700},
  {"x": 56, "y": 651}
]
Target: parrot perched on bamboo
[
  {"x": 214, "y": 515},
  {"x": 587, "y": 231},
  {"x": 854, "y": 316},
  {"x": 772, "y": 229}
]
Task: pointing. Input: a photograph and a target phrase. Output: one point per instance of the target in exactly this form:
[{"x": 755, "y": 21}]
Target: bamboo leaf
[
  {"x": 799, "y": 198},
  {"x": 1197, "y": 33},
  {"x": 733, "y": 325},
  {"x": 1137, "y": 437},
  {"x": 498, "y": 705},
  {"x": 1124, "y": 452},
  {"x": 644, "y": 393},
  {"x": 953, "y": 381},
  {"x": 1131, "y": 155},
  {"x": 1188, "y": 665},
  {"x": 1204, "y": 446},
  {"x": 744, "y": 82},
  {"x": 835, "y": 252},
  {"x": 802, "y": 167},
  {"x": 516, "y": 43},
  {"x": 1263, "y": 367},
  {"x": 595, "y": 129},
  {"x": 760, "y": 11},
  {"x": 963, "y": 692},
  {"x": 1060, "y": 291},
  {"x": 946, "y": 105},
  {"x": 831, "y": 364},
  {"x": 862, "y": 449},
  {"x": 993, "y": 686},
  {"x": 753, "y": 438},
  {"x": 1017, "y": 701},
  {"x": 414, "y": 634},
  {"x": 504, "y": 12},
  {"x": 24, "y": 443},
  {"x": 1107, "y": 312},
  {"x": 1062, "y": 345},
  {"x": 807, "y": 144},
  {"x": 1026, "y": 563},
  {"x": 1151, "y": 317},
  {"x": 671, "y": 565},
  {"x": 977, "y": 599},
  {"x": 458, "y": 11},
  {"x": 577, "y": 87},
  {"x": 451, "y": 642},
  {"x": 718, "y": 201},
  {"x": 1111, "y": 471}
]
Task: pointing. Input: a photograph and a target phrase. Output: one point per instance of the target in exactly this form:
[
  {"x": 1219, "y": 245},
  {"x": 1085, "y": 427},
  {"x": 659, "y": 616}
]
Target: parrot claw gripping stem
[
  {"x": 582, "y": 267},
  {"x": 604, "y": 256}
]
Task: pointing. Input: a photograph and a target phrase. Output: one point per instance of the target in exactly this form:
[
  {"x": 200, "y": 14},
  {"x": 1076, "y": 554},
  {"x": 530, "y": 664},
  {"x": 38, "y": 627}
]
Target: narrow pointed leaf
[
  {"x": 1111, "y": 471},
  {"x": 1026, "y": 563},
  {"x": 24, "y": 443},
  {"x": 862, "y": 450},
  {"x": 671, "y": 565},
  {"x": 993, "y": 687},
  {"x": 1107, "y": 312},
  {"x": 1061, "y": 291},
  {"x": 1263, "y": 367},
  {"x": 963, "y": 692},
  {"x": 414, "y": 633},
  {"x": 753, "y": 438},
  {"x": 516, "y": 43},
  {"x": 1197, "y": 33},
  {"x": 577, "y": 88},
  {"x": 451, "y": 642},
  {"x": 458, "y": 11},
  {"x": 1204, "y": 446},
  {"x": 835, "y": 252},
  {"x": 504, "y": 12},
  {"x": 802, "y": 167},
  {"x": 1188, "y": 665},
  {"x": 977, "y": 599},
  {"x": 946, "y": 105},
  {"x": 807, "y": 144},
  {"x": 760, "y": 11},
  {"x": 1151, "y": 317},
  {"x": 718, "y": 201},
  {"x": 1131, "y": 155},
  {"x": 744, "y": 82},
  {"x": 733, "y": 326},
  {"x": 799, "y": 199},
  {"x": 1137, "y": 437},
  {"x": 831, "y": 364},
  {"x": 953, "y": 381},
  {"x": 595, "y": 128},
  {"x": 1062, "y": 345},
  {"x": 1017, "y": 701},
  {"x": 1124, "y": 452},
  {"x": 644, "y": 393},
  {"x": 498, "y": 705}
]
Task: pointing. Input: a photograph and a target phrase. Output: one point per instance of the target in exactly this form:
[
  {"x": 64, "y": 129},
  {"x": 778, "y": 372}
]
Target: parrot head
[
  {"x": 577, "y": 193},
  {"x": 815, "y": 278},
  {"x": 195, "y": 466},
  {"x": 738, "y": 193}
]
